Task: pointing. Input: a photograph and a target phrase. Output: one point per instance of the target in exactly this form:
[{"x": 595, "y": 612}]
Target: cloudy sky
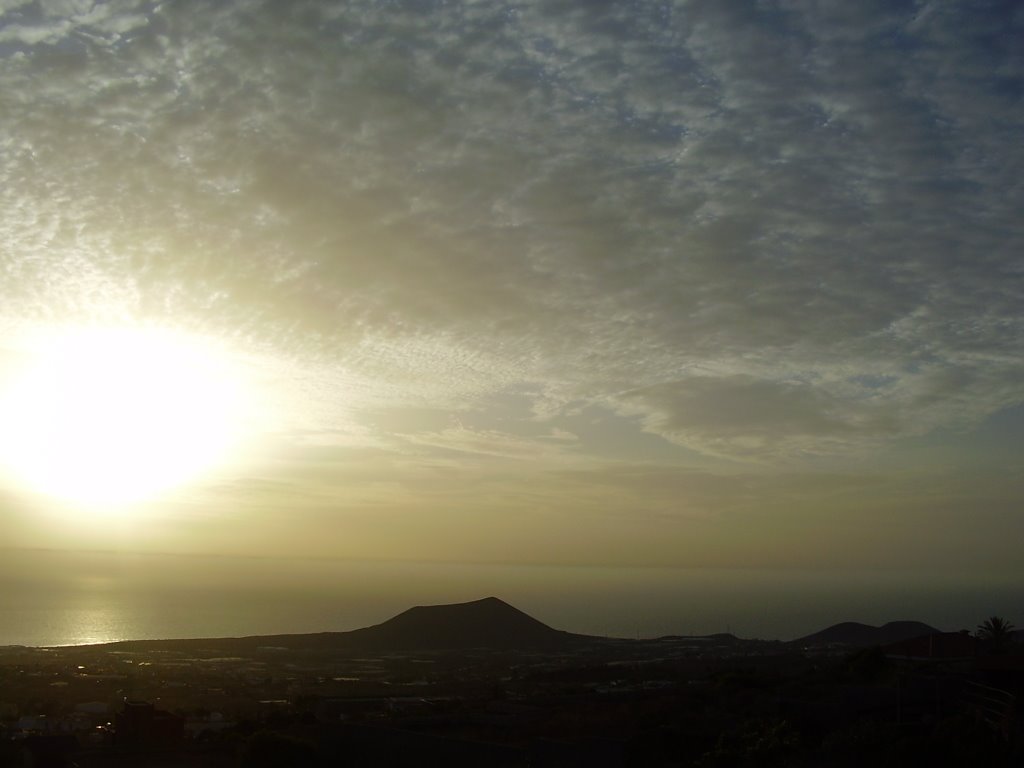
[{"x": 681, "y": 283}]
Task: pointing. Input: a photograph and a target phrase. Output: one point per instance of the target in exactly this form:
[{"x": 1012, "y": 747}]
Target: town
[{"x": 570, "y": 701}]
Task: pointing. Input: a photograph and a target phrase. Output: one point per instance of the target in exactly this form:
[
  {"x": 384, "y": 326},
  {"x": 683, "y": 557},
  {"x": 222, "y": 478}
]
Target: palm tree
[{"x": 996, "y": 630}]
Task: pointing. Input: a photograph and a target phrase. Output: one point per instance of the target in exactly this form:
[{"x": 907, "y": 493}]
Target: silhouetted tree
[{"x": 996, "y": 630}]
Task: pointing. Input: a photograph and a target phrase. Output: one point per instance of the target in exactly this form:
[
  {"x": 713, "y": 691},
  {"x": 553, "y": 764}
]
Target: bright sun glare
[{"x": 106, "y": 417}]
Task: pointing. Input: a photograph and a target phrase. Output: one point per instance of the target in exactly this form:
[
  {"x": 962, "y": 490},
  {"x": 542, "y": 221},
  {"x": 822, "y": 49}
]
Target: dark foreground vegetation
[{"x": 939, "y": 700}]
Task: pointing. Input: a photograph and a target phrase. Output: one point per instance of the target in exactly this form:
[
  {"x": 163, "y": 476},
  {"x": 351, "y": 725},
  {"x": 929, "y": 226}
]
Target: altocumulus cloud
[{"x": 769, "y": 229}]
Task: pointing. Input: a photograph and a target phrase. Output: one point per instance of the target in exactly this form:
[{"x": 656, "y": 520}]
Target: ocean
[{"x": 63, "y": 598}]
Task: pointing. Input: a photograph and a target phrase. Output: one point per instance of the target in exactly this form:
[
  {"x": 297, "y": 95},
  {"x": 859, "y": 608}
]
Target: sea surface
[{"x": 62, "y": 598}]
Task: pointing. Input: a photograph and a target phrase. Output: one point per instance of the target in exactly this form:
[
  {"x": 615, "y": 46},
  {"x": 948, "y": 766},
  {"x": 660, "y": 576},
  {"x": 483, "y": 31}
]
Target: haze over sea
[{"x": 91, "y": 597}]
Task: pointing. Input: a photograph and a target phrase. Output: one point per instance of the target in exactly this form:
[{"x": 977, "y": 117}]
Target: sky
[{"x": 567, "y": 284}]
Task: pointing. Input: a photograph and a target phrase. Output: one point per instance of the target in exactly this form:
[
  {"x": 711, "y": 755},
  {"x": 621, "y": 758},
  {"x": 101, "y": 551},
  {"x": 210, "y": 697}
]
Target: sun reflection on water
[{"x": 89, "y": 625}]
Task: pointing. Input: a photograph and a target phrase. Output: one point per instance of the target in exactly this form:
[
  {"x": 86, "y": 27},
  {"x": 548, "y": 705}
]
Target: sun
[{"x": 108, "y": 417}]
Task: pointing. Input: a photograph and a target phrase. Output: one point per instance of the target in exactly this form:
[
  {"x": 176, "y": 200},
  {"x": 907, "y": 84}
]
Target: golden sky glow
[{"x": 675, "y": 284}]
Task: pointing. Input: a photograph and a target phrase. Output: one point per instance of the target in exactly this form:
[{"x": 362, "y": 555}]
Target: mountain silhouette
[
  {"x": 854, "y": 633},
  {"x": 492, "y": 624},
  {"x": 486, "y": 623}
]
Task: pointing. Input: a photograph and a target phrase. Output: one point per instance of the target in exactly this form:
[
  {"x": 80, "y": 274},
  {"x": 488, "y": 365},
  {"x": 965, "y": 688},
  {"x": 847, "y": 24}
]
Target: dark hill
[
  {"x": 856, "y": 634},
  {"x": 486, "y": 623}
]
